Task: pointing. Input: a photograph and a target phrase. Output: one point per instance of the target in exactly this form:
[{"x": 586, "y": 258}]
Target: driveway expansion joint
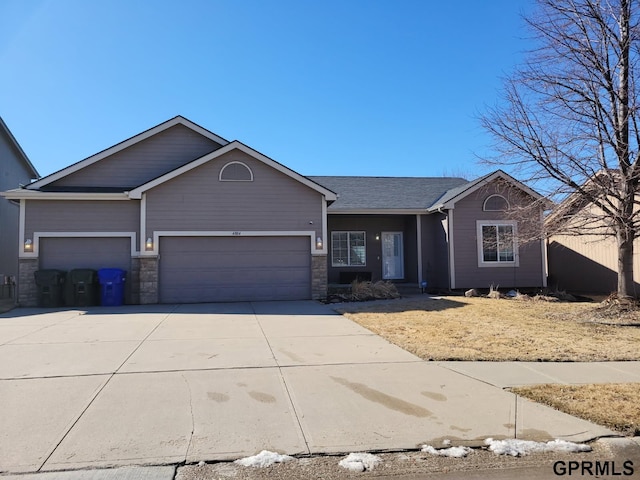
[{"x": 284, "y": 382}]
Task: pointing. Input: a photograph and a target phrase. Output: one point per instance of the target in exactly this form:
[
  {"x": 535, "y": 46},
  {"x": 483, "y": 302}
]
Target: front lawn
[
  {"x": 616, "y": 406},
  {"x": 460, "y": 328}
]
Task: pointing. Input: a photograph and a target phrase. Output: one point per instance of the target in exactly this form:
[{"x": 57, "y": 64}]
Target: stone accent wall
[
  {"x": 148, "y": 280},
  {"x": 318, "y": 277},
  {"x": 27, "y": 290},
  {"x": 133, "y": 280}
]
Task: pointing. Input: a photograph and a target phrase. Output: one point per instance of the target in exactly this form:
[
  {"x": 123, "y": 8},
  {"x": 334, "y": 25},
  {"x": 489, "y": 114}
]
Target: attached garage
[{"x": 232, "y": 269}]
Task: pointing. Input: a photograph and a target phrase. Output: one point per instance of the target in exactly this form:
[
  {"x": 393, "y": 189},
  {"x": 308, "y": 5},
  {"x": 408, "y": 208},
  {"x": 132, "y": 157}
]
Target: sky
[{"x": 344, "y": 87}]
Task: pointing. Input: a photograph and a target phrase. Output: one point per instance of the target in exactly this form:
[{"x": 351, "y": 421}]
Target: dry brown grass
[
  {"x": 616, "y": 406},
  {"x": 460, "y": 328}
]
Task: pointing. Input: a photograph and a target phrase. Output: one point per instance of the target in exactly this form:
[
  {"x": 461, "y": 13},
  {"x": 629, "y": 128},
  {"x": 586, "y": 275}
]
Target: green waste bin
[
  {"x": 50, "y": 284},
  {"x": 82, "y": 288}
]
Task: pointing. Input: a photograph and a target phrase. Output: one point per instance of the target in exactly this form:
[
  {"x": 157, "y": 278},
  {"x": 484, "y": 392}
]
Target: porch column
[{"x": 419, "y": 239}]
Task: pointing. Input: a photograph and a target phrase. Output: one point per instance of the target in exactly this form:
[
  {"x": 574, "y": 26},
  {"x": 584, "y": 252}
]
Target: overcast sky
[{"x": 346, "y": 87}]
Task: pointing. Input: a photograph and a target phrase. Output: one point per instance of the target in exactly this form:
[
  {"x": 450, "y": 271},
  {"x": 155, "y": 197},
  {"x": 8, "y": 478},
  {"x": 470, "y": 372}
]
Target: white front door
[{"x": 392, "y": 256}]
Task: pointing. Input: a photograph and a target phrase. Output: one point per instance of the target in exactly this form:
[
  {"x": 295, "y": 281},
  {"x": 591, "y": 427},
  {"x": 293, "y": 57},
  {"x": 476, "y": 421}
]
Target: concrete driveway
[{"x": 139, "y": 385}]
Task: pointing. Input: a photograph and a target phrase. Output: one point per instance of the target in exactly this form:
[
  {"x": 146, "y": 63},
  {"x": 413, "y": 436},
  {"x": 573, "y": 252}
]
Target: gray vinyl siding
[
  {"x": 435, "y": 255},
  {"x": 197, "y": 201},
  {"x": 143, "y": 161},
  {"x": 468, "y": 274},
  {"x": 372, "y": 225},
  {"x": 81, "y": 216},
  {"x": 13, "y": 172}
]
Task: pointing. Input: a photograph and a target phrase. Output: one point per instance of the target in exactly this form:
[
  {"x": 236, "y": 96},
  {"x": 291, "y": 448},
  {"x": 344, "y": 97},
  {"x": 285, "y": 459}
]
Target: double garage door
[{"x": 234, "y": 269}]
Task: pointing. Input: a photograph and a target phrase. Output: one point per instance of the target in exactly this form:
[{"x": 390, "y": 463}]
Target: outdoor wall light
[
  {"x": 149, "y": 244},
  {"x": 319, "y": 243},
  {"x": 28, "y": 245},
  {"x": 377, "y": 236}
]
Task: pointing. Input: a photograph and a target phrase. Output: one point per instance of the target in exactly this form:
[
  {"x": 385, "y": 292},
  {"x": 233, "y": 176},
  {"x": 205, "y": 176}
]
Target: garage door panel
[
  {"x": 95, "y": 253},
  {"x": 221, "y": 269}
]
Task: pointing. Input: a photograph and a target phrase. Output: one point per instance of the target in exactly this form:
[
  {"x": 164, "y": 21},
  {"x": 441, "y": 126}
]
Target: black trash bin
[
  {"x": 82, "y": 288},
  {"x": 111, "y": 286},
  {"x": 50, "y": 284}
]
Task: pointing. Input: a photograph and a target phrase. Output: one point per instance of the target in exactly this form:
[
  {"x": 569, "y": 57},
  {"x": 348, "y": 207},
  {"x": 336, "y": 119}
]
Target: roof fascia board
[
  {"x": 126, "y": 144},
  {"x": 136, "y": 193},
  {"x": 450, "y": 205},
  {"x": 23, "y": 194},
  {"x": 17, "y": 146},
  {"x": 378, "y": 211}
]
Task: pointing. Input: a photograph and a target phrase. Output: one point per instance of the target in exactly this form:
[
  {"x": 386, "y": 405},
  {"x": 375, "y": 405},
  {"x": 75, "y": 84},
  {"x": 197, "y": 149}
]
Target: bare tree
[{"x": 569, "y": 120}]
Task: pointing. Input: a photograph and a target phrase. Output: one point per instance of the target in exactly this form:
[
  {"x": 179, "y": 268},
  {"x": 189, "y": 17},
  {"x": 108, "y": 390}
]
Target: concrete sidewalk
[
  {"x": 516, "y": 374},
  {"x": 167, "y": 384}
]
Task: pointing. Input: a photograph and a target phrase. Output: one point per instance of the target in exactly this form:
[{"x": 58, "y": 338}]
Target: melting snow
[
  {"x": 263, "y": 459},
  {"x": 359, "y": 462},
  {"x": 455, "y": 452},
  {"x": 517, "y": 448}
]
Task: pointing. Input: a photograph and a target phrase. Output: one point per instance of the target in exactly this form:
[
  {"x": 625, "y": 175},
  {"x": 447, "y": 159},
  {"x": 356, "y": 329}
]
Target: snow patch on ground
[
  {"x": 454, "y": 452},
  {"x": 360, "y": 462},
  {"x": 517, "y": 448},
  {"x": 263, "y": 459}
]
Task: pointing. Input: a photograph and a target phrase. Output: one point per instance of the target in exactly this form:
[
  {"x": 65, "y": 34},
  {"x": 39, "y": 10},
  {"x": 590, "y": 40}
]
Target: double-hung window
[
  {"x": 348, "y": 249},
  {"x": 497, "y": 244}
]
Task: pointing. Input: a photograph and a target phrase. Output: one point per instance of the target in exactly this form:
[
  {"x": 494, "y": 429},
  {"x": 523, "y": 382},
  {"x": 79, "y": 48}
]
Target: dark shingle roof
[
  {"x": 454, "y": 192},
  {"x": 386, "y": 193}
]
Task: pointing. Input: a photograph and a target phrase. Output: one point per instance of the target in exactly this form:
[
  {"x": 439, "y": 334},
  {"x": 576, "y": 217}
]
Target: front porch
[{"x": 405, "y": 249}]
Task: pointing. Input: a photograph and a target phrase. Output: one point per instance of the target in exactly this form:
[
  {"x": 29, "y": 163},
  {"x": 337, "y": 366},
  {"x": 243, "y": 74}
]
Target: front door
[{"x": 392, "y": 256}]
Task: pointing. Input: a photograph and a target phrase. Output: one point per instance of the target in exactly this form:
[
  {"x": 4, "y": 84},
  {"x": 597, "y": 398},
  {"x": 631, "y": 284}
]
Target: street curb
[
  {"x": 622, "y": 446},
  {"x": 124, "y": 473}
]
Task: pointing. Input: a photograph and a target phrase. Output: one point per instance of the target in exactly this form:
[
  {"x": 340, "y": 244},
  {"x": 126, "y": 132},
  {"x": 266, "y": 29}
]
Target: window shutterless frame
[
  {"x": 497, "y": 243},
  {"x": 348, "y": 249}
]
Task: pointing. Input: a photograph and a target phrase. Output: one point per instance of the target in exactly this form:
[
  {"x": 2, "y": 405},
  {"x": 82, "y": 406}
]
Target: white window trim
[
  {"x": 235, "y": 162},
  {"x": 348, "y": 232},
  {"x": 495, "y": 223},
  {"x": 484, "y": 204}
]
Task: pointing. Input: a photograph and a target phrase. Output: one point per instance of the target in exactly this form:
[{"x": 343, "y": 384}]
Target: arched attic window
[
  {"x": 235, "y": 172},
  {"x": 495, "y": 203}
]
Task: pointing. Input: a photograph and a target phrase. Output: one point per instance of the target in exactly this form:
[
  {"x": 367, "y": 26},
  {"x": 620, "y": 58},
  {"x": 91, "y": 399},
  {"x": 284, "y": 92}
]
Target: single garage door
[
  {"x": 233, "y": 269},
  {"x": 92, "y": 252}
]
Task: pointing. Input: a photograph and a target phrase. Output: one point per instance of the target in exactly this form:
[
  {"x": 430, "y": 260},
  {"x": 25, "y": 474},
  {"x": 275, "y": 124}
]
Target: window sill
[{"x": 498, "y": 264}]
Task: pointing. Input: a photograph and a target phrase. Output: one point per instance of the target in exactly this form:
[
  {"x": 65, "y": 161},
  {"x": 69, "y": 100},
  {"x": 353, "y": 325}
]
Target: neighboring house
[
  {"x": 584, "y": 258},
  {"x": 193, "y": 217},
  {"x": 15, "y": 170}
]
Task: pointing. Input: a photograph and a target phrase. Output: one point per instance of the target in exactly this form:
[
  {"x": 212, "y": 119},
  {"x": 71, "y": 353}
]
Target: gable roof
[
  {"x": 449, "y": 198},
  {"x": 21, "y": 154},
  {"x": 362, "y": 194},
  {"x": 137, "y": 192},
  {"x": 178, "y": 120}
]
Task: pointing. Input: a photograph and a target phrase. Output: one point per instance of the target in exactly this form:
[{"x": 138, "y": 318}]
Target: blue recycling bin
[{"x": 111, "y": 286}]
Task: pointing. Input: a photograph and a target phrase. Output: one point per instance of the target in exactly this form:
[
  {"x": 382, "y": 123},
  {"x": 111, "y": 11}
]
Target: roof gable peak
[{"x": 177, "y": 120}]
